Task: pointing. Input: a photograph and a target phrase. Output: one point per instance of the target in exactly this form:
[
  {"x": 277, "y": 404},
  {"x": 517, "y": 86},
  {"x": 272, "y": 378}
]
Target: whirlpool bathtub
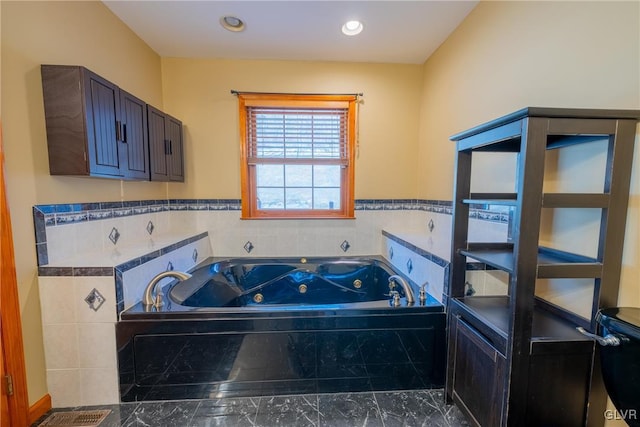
[{"x": 258, "y": 327}]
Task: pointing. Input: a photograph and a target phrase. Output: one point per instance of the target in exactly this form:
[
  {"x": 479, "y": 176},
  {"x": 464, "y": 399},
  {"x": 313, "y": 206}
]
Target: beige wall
[
  {"x": 198, "y": 92},
  {"x": 509, "y": 55},
  {"x": 78, "y": 33}
]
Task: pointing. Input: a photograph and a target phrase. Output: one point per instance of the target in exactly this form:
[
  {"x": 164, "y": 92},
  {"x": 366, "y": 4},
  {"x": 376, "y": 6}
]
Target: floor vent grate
[{"x": 76, "y": 418}]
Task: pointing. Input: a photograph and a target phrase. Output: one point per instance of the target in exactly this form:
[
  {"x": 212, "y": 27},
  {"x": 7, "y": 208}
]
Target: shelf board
[
  {"x": 575, "y": 200},
  {"x": 551, "y": 263},
  {"x": 491, "y": 316}
]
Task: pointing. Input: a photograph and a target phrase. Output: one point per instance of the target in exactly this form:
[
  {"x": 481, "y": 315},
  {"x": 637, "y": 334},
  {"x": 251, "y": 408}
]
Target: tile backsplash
[{"x": 67, "y": 235}]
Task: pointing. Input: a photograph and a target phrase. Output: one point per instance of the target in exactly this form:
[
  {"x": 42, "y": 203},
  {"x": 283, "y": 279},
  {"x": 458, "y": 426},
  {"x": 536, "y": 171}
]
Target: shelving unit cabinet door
[
  {"x": 478, "y": 381},
  {"x": 175, "y": 156},
  {"x": 134, "y": 136}
]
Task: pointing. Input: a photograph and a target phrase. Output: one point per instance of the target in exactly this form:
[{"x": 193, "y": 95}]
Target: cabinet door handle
[
  {"x": 170, "y": 147},
  {"x": 118, "y": 130},
  {"x": 166, "y": 146},
  {"x": 124, "y": 133}
]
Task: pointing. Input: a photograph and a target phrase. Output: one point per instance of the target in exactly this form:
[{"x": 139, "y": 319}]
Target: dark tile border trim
[
  {"x": 425, "y": 254},
  {"x": 439, "y": 206},
  {"x": 61, "y": 214}
]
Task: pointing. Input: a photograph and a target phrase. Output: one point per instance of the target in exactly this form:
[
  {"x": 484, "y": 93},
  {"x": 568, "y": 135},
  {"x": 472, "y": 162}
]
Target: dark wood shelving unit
[{"x": 518, "y": 360}]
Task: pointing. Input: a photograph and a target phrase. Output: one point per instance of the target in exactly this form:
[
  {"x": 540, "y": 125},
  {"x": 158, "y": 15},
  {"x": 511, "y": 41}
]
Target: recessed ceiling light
[
  {"x": 232, "y": 23},
  {"x": 351, "y": 28}
]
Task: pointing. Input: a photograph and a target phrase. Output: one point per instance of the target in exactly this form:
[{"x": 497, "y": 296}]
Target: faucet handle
[
  {"x": 395, "y": 298},
  {"x": 159, "y": 301},
  {"x": 423, "y": 292}
]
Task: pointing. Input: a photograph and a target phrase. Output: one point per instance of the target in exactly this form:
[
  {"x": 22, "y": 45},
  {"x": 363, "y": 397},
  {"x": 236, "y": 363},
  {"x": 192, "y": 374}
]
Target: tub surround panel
[{"x": 299, "y": 354}]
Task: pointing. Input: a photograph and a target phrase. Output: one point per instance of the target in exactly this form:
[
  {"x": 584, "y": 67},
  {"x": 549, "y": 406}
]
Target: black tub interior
[{"x": 259, "y": 282}]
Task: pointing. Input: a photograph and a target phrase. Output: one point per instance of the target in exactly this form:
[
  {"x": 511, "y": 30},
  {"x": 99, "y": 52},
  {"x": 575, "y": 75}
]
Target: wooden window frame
[{"x": 250, "y": 209}]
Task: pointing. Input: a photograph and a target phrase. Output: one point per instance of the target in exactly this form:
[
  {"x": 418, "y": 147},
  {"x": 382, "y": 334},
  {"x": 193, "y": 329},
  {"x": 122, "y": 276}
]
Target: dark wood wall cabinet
[
  {"x": 165, "y": 141},
  {"x": 94, "y": 128},
  {"x": 517, "y": 359}
]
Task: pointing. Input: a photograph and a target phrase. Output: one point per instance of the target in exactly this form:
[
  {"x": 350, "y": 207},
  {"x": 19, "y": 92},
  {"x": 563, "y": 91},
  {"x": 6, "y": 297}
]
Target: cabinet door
[
  {"x": 165, "y": 146},
  {"x": 478, "y": 380},
  {"x": 175, "y": 157},
  {"x": 158, "y": 144},
  {"x": 133, "y": 135},
  {"x": 103, "y": 119}
]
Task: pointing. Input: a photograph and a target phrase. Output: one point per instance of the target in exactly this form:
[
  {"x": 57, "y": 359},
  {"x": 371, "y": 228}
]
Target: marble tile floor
[{"x": 387, "y": 409}]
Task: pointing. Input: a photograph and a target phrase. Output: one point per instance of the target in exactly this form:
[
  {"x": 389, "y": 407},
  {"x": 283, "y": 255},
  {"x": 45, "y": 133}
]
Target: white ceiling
[{"x": 394, "y": 31}]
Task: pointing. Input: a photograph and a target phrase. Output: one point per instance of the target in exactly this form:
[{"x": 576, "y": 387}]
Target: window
[{"x": 297, "y": 155}]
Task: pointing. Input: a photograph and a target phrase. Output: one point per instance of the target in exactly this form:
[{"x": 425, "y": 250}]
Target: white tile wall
[
  {"x": 61, "y": 346},
  {"x": 77, "y": 338},
  {"x": 98, "y": 386},
  {"x": 91, "y": 238},
  {"x": 57, "y": 300},
  {"x": 96, "y": 345},
  {"x": 228, "y": 233},
  {"x": 64, "y": 387}
]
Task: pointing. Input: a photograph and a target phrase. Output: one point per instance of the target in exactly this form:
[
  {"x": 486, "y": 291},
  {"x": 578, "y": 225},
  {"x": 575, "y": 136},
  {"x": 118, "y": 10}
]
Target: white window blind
[{"x": 297, "y": 135}]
